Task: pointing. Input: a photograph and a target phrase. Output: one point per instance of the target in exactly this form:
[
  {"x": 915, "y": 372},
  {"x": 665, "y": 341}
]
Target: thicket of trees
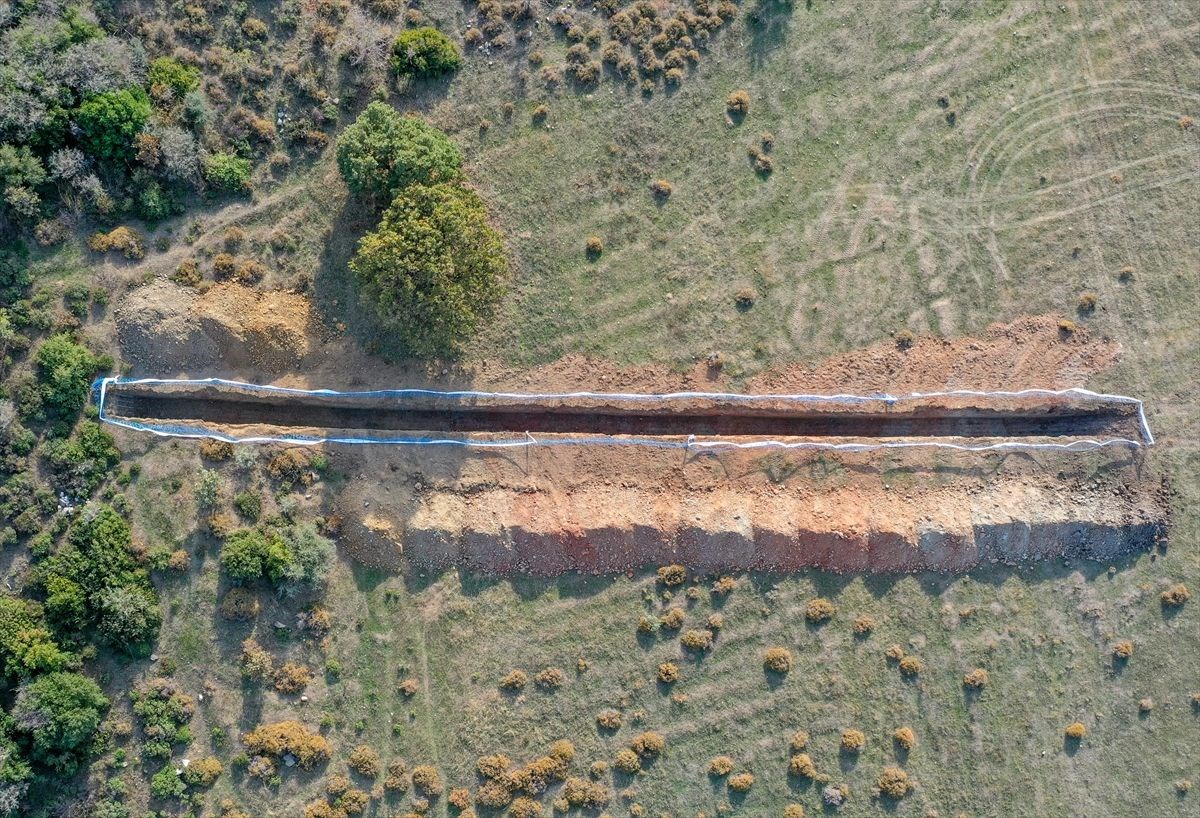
[{"x": 434, "y": 268}]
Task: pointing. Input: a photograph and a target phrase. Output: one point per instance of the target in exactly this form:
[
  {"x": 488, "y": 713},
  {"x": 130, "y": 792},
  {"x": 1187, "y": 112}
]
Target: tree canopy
[
  {"x": 59, "y": 713},
  {"x": 424, "y": 52},
  {"x": 383, "y": 151},
  {"x": 433, "y": 269}
]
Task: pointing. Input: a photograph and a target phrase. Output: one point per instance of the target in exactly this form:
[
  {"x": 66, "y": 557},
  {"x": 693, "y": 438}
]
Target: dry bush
[
  {"x": 715, "y": 622},
  {"x": 793, "y": 811},
  {"x": 627, "y": 761},
  {"x": 233, "y": 237},
  {"x": 397, "y": 776},
  {"x": 515, "y": 680},
  {"x": 187, "y": 274},
  {"x": 365, "y": 761},
  {"x": 742, "y": 782},
  {"x": 863, "y": 624},
  {"x": 292, "y": 677},
  {"x": 738, "y": 103},
  {"x": 645, "y": 625},
  {"x": 904, "y": 339},
  {"x": 255, "y": 662},
  {"x": 672, "y": 619},
  {"x": 493, "y": 767},
  {"x": 239, "y": 604},
  {"x": 336, "y": 785},
  {"x": 409, "y": 688},
  {"x": 551, "y": 678},
  {"x": 493, "y": 795},
  {"x": 719, "y": 766},
  {"x": 724, "y": 586},
  {"x": 798, "y": 741},
  {"x": 893, "y": 783},
  {"x": 250, "y": 272},
  {"x": 777, "y": 660},
  {"x": 579, "y": 792},
  {"x": 1122, "y": 650},
  {"x": 125, "y": 240},
  {"x": 661, "y": 189},
  {"x": 853, "y": 740},
  {"x": 278, "y": 738},
  {"x": 1086, "y": 303},
  {"x": 668, "y": 672},
  {"x": 894, "y": 653},
  {"x": 1067, "y": 327},
  {"x": 202, "y": 772},
  {"x": 593, "y": 248},
  {"x": 697, "y": 640},
  {"x": 648, "y": 744},
  {"x": 1176, "y": 595},
  {"x": 905, "y": 738},
  {"x": 801, "y": 765},
  {"x": 977, "y": 679},
  {"x": 911, "y": 666},
  {"x": 179, "y": 561},
  {"x": 525, "y": 807},
  {"x": 459, "y": 798},
  {"x": 609, "y": 719},
  {"x": 353, "y": 801},
  {"x": 819, "y": 610},
  {"x": 1075, "y": 731},
  {"x": 541, "y": 112},
  {"x": 562, "y": 750},
  {"x": 216, "y": 450},
  {"x": 672, "y": 575},
  {"x": 224, "y": 266},
  {"x": 317, "y": 621},
  {"x": 426, "y": 780},
  {"x": 1145, "y": 705}
]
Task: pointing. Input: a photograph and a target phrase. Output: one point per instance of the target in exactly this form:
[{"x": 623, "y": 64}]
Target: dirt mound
[{"x": 164, "y": 328}]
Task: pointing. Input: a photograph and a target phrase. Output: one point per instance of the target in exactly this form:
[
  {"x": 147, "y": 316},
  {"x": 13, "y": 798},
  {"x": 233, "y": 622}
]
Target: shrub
[
  {"x": 1122, "y": 650},
  {"x": 1067, "y": 327},
  {"x": 168, "y": 72},
  {"x": 738, "y": 103},
  {"x": 248, "y": 505},
  {"x": 256, "y": 663},
  {"x": 594, "y": 247},
  {"x": 424, "y": 52},
  {"x": 715, "y": 622},
  {"x": 563, "y": 750},
  {"x": 724, "y": 586},
  {"x": 129, "y": 615},
  {"x": 668, "y": 673},
  {"x": 515, "y": 680},
  {"x": 382, "y": 152},
  {"x": 904, "y": 339},
  {"x": 459, "y": 798},
  {"x": 777, "y": 660},
  {"x": 202, "y": 772},
  {"x": 108, "y": 123},
  {"x": 894, "y": 653},
  {"x": 525, "y": 807},
  {"x": 167, "y": 784},
  {"x": 227, "y": 172},
  {"x": 863, "y": 624},
  {"x": 239, "y": 605},
  {"x": 819, "y": 610},
  {"x": 661, "y": 189},
  {"x": 648, "y": 744},
  {"x": 905, "y": 738},
  {"x": 409, "y": 688},
  {"x": 540, "y": 112},
  {"x": 308, "y": 559},
  {"x": 551, "y": 678},
  {"x": 853, "y": 740},
  {"x": 1176, "y": 595},
  {"x": 1075, "y": 731},
  {"x": 59, "y": 712},
  {"x": 801, "y": 765},
  {"x": 1086, "y": 303},
  {"x": 365, "y": 761},
  {"x": 976, "y": 679},
  {"x": 793, "y": 811},
  {"x": 893, "y": 782},
  {"x": 672, "y": 575},
  {"x": 742, "y": 782},
  {"x": 124, "y": 240},
  {"x": 697, "y": 640},
  {"x": 609, "y": 719},
  {"x": 433, "y": 269},
  {"x": 911, "y": 666},
  {"x": 426, "y": 780},
  {"x": 798, "y": 741},
  {"x": 282, "y": 737},
  {"x": 397, "y": 777},
  {"x": 720, "y": 766},
  {"x": 672, "y": 619},
  {"x": 292, "y": 677},
  {"x": 248, "y": 555},
  {"x": 1145, "y": 705},
  {"x": 627, "y": 761}
]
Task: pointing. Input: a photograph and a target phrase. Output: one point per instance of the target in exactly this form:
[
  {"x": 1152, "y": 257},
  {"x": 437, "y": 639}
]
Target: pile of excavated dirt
[{"x": 165, "y": 328}]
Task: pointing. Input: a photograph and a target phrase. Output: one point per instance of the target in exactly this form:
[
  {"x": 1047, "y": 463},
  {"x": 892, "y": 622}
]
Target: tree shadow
[{"x": 768, "y": 23}]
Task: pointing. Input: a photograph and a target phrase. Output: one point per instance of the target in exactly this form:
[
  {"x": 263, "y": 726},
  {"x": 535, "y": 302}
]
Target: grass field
[{"x": 1067, "y": 161}]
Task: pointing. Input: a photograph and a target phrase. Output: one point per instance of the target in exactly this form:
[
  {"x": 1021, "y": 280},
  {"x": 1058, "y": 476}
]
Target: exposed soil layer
[{"x": 215, "y": 406}]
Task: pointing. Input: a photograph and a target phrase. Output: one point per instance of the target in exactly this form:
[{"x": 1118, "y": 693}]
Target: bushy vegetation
[
  {"x": 433, "y": 269},
  {"x": 383, "y": 152},
  {"x": 59, "y": 713},
  {"x": 424, "y": 52},
  {"x": 777, "y": 660},
  {"x": 277, "y": 738}
]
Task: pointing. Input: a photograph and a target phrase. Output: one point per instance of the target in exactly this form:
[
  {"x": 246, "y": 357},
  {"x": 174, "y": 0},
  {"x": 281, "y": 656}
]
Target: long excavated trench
[{"x": 215, "y": 406}]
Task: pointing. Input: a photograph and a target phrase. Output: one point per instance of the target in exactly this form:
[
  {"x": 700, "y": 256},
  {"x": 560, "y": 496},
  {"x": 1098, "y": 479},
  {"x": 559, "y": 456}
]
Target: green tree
[
  {"x": 424, "y": 52},
  {"x": 81, "y": 462},
  {"x": 382, "y": 151},
  {"x": 311, "y": 555},
  {"x": 227, "y": 172},
  {"x": 65, "y": 370},
  {"x": 59, "y": 712},
  {"x": 109, "y": 122},
  {"x": 248, "y": 555},
  {"x": 433, "y": 269},
  {"x": 26, "y": 646},
  {"x": 21, "y": 174},
  {"x": 129, "y": 616}
]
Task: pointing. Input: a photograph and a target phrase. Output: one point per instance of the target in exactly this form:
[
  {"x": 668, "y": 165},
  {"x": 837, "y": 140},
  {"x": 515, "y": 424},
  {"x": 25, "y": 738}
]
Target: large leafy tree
[
  {"x": 383, "y": 151},
  {"x": 433, "y": 269},
  {"x": 109, "y": 122},
  {"x": 58, "y": 713}
]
